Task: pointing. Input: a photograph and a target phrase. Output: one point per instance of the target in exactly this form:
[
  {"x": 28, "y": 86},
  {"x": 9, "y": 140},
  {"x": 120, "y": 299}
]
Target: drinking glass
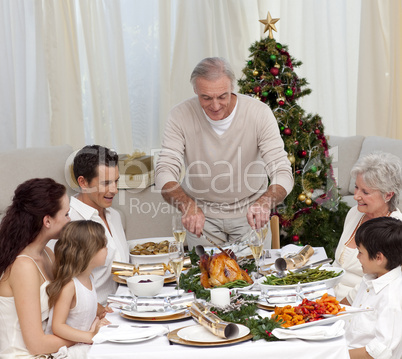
[
  {"x": 179, "y": 232},
  {"x": 256, "y": 244},
  {"x": 176, "y": 259},
  {"x": 263, "y": 232}
]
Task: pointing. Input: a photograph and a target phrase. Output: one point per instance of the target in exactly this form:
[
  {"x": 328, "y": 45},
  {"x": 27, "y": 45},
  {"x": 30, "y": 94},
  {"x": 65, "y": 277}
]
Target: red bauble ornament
[
  {"x": 300, "y": 123},
  {"x": 302, "y": 153},
  {"x": 257, "y": 89},
  {"x": 287, "y": 131},
  {"x": 274, "y": 71},
  {"x": 296, "y": 143},
  {"x": 281, "y": 103},
  {"x": 295, "y": 238},
  {"x": 317, "y": 131}
]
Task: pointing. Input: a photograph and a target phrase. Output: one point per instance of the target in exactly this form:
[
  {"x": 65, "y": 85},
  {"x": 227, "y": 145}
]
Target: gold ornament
[
  {"x": 308, "y": 201},
  {"x": 269, "y": 23},
  {"x": 255, "y": 72},
  {"x": 277, "y": 66},
  {"x": 301, "y": 197},
  {"x": 291, "y": 159}
]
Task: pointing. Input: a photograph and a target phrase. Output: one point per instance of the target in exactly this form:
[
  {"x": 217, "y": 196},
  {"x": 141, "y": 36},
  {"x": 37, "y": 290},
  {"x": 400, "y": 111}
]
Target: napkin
[
  {"x": 290, "y": 249},
  {"x": 312, "y": 333},
  {"x": 127, "y": 332}
]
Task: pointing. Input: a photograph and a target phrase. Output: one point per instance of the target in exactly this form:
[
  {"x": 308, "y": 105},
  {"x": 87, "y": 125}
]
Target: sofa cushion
[
  {"x": 345, "y": 151},
  {"x": 20, "y": 165},
  {"x": 376, "y": 143}
]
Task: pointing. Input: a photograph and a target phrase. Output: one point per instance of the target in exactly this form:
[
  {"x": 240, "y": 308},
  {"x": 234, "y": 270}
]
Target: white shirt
[
  {"x": 346, "y": 257},
  {"x": 380, "y": 331},
  {"x": 116, "y": 244},
  {"x": 221, "y": 126}
]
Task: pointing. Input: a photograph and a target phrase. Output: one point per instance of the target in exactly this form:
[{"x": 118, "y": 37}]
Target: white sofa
[
  {"x": 347, "y": 150},
  {"x": 144, "y": 212}
]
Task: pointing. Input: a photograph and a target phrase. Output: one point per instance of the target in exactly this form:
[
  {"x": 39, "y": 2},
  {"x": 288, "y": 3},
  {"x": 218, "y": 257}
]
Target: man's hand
[
  {"x": 193, "y": 217},
  {"x": 258, "y": 214}
]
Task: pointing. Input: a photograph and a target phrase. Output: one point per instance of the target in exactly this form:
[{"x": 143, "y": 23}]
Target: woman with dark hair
[{"x": 38, "y": 212}]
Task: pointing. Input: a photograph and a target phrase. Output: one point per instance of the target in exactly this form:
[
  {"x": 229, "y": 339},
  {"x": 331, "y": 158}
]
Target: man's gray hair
[
  {"x": 212, "y": 68},
  {"x": 381, "y": 171}
]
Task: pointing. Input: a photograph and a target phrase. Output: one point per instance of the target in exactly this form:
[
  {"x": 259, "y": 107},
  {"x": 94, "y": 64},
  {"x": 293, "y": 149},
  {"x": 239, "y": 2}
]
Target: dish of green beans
[{"x": 307, "y": 276}]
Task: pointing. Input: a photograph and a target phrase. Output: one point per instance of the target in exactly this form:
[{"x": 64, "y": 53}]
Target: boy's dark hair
[
  {"x": 89, "y": 158},
  {"x": 382, "y": 234}
]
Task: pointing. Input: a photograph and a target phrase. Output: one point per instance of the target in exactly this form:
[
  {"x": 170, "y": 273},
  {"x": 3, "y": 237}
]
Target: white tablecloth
[{"x": 160, "y": 348}]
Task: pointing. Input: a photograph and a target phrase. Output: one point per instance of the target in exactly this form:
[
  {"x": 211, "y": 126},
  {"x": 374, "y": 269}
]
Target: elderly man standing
[{"x": 230, "y": 145}]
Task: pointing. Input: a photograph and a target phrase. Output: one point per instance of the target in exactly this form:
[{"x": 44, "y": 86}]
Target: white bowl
[
  {"x": 150, "y": 258},
  {"x": 139, "y": 286},
  {"x": 329, "y": 283}
]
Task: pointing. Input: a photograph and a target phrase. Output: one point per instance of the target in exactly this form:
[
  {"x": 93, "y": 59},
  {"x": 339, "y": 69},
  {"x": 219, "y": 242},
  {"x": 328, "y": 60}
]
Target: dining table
[{"x": 160, "y": 347}]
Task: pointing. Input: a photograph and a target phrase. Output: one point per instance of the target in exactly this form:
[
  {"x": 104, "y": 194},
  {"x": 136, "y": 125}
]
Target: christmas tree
[{"x": 313, "y": 212}]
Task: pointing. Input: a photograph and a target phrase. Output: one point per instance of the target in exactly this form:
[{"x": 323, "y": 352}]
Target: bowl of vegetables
[
  {"x": 149, "y": 250},
  {"x": 328, "y": 276}
]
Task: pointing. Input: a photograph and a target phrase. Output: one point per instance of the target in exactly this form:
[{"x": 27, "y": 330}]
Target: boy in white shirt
[{"x": 378, "y": 334}]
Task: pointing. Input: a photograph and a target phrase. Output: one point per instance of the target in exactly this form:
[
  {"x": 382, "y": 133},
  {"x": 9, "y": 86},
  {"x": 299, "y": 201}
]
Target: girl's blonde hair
[{"x": 78, "y": 243}]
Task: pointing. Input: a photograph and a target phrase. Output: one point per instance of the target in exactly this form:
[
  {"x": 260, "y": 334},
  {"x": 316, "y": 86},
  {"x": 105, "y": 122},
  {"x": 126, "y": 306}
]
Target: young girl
[{"x": 72, "y": 294}]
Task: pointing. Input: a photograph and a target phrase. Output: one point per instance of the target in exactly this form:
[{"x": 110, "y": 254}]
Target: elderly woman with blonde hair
[{"x": 378, "y": 181}]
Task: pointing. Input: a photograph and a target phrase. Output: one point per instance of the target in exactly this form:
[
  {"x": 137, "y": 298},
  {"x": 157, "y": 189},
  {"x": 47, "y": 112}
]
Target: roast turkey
[{"x": 219, "y": 269}]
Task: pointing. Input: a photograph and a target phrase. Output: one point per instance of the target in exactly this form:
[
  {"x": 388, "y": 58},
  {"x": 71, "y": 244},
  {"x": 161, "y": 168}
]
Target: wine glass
[
  {"x": 179, "y": 232},
  {"x": 256, "y": 244},
  {"x": 176, "y": 259}
]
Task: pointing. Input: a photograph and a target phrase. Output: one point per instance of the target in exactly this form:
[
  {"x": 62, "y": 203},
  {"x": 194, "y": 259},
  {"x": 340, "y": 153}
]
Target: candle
[{"x": 220, "y": 296}]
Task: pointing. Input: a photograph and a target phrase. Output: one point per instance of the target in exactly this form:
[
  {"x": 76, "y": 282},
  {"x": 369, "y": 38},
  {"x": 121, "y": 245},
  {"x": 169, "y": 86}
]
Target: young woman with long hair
[{"x": 38, "y": 212}]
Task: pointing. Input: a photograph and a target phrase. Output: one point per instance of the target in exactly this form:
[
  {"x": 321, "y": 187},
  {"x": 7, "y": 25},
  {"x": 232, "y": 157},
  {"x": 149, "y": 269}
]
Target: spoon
[
  {"x": 280, "y": 266},
  {"x": 347, "y": 312},
  {"x": 200, "y": 250}
]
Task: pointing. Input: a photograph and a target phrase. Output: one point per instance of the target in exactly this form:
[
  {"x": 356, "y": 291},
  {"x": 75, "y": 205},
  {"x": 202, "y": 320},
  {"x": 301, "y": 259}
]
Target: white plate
[
  {"x": 167, "y": 313},
  {"x": 321, "y": 321},
  {"x": 167, "y": 275},
  {"x": 324, "y": 338},
  {"x": 329, "y": 283},
  {"x": 197, "y": 333},
  {"x": 137, "y": 340}
]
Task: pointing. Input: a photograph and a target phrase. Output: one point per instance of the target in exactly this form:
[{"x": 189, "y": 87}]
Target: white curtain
[
  {"x": 380, "y": 71},
  {"x": 24, "y": 102},
  {"x": 108, "y": 71}
]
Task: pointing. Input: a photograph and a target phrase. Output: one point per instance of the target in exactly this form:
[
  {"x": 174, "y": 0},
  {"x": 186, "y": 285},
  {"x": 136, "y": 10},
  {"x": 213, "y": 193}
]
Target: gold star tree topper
[{"x": 269, "y": 23}]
